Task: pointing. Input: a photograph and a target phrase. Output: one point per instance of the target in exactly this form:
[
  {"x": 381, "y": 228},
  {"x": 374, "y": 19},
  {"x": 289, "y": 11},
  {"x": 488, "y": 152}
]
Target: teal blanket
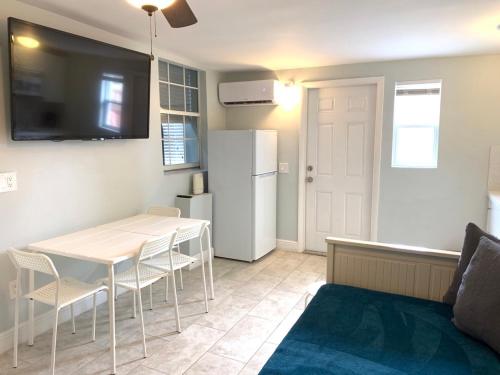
[{"x": 347, "y": 330}]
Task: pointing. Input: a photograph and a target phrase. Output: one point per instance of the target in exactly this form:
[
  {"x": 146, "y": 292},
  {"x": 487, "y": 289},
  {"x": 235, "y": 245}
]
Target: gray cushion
[
  {"x": 477, "y": 310},
  {"x": 472, "y": 236}
]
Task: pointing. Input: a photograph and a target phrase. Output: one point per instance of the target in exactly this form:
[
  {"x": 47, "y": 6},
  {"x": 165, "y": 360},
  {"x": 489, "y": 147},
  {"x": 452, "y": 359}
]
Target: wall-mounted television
[{"x": 65, "y": 86}]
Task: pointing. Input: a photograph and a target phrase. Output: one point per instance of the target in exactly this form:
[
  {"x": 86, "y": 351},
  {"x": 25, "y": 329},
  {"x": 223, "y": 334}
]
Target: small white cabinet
[{"x": 195, "y": 207}]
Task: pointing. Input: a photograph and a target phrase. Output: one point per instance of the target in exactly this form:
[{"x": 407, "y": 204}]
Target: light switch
[
  {"x": 8, "y": 182},
  {"x": 283, "y": 168}
]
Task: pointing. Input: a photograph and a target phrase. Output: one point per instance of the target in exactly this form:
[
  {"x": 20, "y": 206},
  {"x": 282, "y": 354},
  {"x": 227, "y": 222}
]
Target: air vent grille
[{"x": 254, "y": 102}]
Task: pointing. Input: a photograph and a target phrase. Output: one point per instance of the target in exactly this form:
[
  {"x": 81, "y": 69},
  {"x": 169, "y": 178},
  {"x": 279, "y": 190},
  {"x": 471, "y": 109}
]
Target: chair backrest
[
  {"x": 32, "y": 261},
  {"x": 153, "y": 247},
  {"x": 185, "y": 234},
  {"x": 165, "y": 211}
]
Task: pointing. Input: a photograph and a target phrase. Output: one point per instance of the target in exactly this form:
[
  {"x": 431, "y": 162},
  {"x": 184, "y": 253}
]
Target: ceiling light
[
  {"x": 158, "y": 4},
  {"x": 27, "y": 42}
]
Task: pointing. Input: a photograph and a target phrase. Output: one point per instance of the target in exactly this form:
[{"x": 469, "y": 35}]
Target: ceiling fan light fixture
[{"x": 158, "y": 4}]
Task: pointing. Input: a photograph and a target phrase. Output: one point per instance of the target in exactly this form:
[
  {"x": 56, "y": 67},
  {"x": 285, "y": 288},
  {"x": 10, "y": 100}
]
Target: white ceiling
[{"x": 280, "y": 34}]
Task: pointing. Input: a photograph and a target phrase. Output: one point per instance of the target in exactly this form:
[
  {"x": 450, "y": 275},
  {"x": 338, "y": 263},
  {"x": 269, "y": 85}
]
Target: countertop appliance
[{"x": 242, "y": 176}]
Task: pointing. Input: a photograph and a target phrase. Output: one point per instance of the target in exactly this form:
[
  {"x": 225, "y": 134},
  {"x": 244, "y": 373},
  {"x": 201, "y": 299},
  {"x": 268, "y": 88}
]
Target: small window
[
  {"x": 180, "y": 141},
  {"x": 417, "y": 107},
  {"x": 179, "y": 98}
]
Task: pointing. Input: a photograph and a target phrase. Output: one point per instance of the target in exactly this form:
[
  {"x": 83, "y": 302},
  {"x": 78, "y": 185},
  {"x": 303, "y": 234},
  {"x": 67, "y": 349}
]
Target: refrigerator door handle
[{"x": 265, "y": 174}]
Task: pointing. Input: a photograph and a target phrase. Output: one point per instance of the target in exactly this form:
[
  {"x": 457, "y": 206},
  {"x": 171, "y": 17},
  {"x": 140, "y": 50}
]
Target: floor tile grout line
[
  {"x": 247, "y": 315},
  {"x": 217, "y": 355},
  {"x": 243, "y": 317}
]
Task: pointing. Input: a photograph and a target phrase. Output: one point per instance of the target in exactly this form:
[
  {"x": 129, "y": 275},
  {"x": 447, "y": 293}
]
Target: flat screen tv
[{"x": 65, "y": 86}]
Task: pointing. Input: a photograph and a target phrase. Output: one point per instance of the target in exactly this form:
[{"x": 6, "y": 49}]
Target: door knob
[
  {"x": 309, "y": 179},
  {"x": 309, "y": 168}
]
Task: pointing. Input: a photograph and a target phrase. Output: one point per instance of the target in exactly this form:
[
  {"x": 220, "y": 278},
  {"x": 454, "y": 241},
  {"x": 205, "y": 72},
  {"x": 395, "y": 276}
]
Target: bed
[
  {"x": 354, "y": 330},
  {"x": 348, "y": 330}
]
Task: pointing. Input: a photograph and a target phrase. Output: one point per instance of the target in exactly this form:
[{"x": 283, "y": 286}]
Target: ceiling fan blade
[{"x": 179, "y": 14}]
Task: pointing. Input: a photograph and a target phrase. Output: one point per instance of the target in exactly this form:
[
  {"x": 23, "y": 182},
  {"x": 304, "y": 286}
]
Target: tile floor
[{"x": 255, "y": 306}]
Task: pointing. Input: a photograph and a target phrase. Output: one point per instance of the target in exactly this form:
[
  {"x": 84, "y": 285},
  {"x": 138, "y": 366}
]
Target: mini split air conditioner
[{"x": 264, "y": 92}]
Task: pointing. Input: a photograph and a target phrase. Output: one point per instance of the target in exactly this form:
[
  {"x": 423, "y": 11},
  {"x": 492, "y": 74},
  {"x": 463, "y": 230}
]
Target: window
[
  {"x": 180, "y": 114},
  {"x": 415, "y": 140},
  {"x": 110, "y": 116}
]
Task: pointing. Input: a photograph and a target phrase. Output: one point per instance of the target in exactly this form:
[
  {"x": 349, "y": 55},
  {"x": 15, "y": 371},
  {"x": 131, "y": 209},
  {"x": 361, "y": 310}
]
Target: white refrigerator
[{"x": 242, "y": 176}]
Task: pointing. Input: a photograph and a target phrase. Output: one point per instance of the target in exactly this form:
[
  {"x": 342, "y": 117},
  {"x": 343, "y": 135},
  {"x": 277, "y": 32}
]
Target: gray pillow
[
  {"x": 472, "y": 236},
  {"x": 477, "y": 310}
]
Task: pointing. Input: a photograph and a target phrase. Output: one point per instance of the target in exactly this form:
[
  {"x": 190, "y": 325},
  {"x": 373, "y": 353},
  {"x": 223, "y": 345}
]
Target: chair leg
[
  {"x": 141, "y": 312},
  {"x": 94, "y": 315},
  {"x": 16, "y": 327},
  {"x": 180, "y": 269},
  {"x": 176, "y": 304},
  {"x": 210, "y": 268},
  {"x": 54, "y": 343},
  {"x": 166, "y": 288},
  {"x": 182, "y": 283},
  {"x": 31, "y": 304},
  {"x": 134, "y": 314},
  {"x": 151, "y": 297},
  {"x": 73, "y": 318},
  {"x": 202, "y": 260}
]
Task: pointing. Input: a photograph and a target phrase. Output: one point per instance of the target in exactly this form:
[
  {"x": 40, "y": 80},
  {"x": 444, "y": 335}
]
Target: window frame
[
  {"x": 436, "y": 128},
  {"x": 183, "y": 114}
]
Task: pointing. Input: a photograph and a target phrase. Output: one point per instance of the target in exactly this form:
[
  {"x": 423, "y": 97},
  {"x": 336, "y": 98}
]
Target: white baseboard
[
  {"x": 44, "y": 322},
  {"x": 288, "y": 245}
]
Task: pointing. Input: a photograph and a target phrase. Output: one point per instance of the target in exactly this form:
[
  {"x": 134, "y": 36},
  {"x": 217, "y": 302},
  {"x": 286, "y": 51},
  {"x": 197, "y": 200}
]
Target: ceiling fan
[{"x": 177, "y": 12}]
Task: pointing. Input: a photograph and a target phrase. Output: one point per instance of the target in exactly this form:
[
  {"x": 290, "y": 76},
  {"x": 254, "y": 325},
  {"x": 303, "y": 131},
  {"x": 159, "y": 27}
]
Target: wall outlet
[
  {"x": 8, "y": 182},
  {"x": 13, "y": 289},
  {"x": 283, "y": 168}
]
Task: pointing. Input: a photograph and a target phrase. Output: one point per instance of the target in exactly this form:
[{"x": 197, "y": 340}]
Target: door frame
[{"x": 379, "y": 83}]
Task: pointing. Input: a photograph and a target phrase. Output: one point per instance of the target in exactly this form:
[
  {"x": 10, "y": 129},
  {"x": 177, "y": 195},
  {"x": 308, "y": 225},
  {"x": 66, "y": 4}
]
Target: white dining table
[{"x": 112, "y": 243}]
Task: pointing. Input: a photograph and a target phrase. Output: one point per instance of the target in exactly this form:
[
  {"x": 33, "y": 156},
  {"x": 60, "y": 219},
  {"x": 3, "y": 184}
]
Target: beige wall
[
  {"x": 71, "y": 185},
  {"x": 419, "y": 207}
]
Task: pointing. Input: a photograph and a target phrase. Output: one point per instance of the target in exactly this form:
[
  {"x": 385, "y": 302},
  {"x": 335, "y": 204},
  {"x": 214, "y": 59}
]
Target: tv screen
[{"x": 65, "y": 86}]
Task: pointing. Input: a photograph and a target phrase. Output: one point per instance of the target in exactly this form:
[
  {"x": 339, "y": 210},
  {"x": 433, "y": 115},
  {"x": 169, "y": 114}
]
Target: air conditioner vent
[
  {"x": 250, "y": 102},
  {"x": 249, "y": 93}
]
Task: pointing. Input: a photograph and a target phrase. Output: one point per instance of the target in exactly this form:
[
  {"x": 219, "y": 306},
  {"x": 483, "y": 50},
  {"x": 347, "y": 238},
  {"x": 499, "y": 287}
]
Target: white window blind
[
  {"x": 417, "y": 107},
  {"x": 179, "y": 107}
]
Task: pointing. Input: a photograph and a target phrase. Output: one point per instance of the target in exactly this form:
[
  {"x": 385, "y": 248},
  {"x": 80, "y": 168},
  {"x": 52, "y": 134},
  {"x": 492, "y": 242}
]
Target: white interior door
[{"x": 340, "y": 139}]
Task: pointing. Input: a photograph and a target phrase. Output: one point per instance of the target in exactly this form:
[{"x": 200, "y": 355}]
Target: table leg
[
  {"x": 31, "y": 326},
  {"x": 210, "y": 255},
  {"x": 111, "y": 301}
]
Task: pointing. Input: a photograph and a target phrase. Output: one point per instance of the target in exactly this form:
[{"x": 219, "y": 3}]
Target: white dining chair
[
  {"x": 141, "y": 275},
  {"x": 173, "y": 261},
  {"x": 60, "y": 293},
  {"x": 167, "y": 212}
]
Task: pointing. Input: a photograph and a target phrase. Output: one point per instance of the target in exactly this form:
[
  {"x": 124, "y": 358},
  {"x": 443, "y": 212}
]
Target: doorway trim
[{"x": 379, "y": 83}]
